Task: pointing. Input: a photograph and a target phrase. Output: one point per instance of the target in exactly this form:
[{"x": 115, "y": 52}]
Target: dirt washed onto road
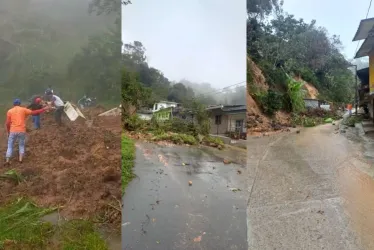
[
  {"x": 310, "y": 190},
  {"x": 75, "y": 166}
]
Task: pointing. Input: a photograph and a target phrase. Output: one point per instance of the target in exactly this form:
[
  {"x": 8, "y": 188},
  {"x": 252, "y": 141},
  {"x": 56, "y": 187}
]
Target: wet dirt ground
[
  {"x": 74, "y": 167},
  {"x": 310, "y": 190},
  {"x": 161, "y": 211}
]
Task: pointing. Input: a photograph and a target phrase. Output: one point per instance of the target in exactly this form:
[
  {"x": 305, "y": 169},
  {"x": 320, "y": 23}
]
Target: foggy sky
[
  {"x": 340, "y": 17},
  {"x": 200, "y": 40}
]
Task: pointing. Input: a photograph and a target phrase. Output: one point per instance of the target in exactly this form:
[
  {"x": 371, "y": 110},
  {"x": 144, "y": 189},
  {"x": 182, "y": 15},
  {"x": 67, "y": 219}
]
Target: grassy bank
[
  {"x": 128, "y": 156},
  {"x": 22, "y": 227}
]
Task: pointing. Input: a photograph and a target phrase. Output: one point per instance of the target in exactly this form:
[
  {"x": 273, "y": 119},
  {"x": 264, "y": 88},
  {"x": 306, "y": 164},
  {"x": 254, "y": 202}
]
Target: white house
[
  {"x": 315, "y": 103},
  {"x": 163, "y": 105}
]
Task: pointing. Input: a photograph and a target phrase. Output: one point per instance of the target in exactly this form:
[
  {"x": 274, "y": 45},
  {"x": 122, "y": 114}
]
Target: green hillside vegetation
[{"x": 281, "y": 45}]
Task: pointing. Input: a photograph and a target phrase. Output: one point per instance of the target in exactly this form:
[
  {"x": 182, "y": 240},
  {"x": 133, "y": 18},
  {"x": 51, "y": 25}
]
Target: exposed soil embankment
[
  {"x": 75, "y": 166},
  {"x": 257, "y": 121}
]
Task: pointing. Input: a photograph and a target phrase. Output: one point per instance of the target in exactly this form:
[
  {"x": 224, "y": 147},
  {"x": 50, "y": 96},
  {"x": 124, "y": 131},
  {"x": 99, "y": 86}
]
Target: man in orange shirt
[
  {"x": 16, "y": 127},
  {"x": 349, "y": 107}
]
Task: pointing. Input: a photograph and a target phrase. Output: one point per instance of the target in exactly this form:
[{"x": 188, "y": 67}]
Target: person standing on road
[
  {"x": 59, "y": 105},
  {"x": 36, "y": 105},
  {"x": 16, "y": 128},
  {"x": 349, "y": 107}
]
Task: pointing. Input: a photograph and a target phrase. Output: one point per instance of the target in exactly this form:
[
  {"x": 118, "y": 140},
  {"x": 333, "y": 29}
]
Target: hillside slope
[
  {"x": 76, "y": 166},
  {"x": 257, "y": 121}
]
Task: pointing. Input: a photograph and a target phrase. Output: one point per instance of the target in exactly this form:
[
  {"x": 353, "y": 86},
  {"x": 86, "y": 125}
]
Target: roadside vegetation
[
  {"x": 22, "y": 226},
  {"x": 314, "y": 117},
  {"x": 128, "y": 157},
  {"x": 176, "y": 130},
  {"x": 352, "y": 120}
]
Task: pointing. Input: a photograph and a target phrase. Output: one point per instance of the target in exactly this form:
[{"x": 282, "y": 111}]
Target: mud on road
[
  {"x": 75, "y": 166},
  {"x": 311, "y": 190},
  {"x": 162, "y": 211}
]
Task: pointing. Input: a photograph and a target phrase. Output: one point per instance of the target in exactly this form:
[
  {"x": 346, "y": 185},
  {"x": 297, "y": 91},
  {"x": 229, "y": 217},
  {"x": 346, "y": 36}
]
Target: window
[
  {"x": 156, "y": 106},
  {"x": 218, "y": 119},
  {"x": 238, "y": 125}
]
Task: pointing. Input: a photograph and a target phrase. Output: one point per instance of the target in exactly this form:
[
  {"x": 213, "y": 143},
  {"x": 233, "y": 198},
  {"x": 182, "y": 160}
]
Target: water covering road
[
  {"x": 312, "y": 190},
  {"x": 161, "y": 211}
]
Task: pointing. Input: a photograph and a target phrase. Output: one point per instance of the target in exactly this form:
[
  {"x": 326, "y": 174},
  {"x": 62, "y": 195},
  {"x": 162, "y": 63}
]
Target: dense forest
[
  {"x": 71, "y": 45},
  {"x": 284, "y": 47}
]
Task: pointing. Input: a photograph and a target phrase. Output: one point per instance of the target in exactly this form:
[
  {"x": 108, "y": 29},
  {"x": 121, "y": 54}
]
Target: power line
[
  {"x": 220, "y": 90},
  {"x": 367, "y": 14}
]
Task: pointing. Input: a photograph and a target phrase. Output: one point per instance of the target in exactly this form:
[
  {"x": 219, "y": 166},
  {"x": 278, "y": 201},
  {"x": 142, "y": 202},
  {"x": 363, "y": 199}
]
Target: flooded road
[
  {"x": 162, "y": 211},
  {"x": 312, "y": 190}
]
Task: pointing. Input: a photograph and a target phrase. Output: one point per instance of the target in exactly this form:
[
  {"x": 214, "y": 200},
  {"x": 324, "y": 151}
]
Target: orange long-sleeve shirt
[{"x": 16, "y": 118}]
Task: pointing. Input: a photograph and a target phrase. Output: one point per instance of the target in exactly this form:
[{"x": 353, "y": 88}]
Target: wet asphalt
[
  {"x": 161, "y": 211},
  {"x": 310, "y": 190}
]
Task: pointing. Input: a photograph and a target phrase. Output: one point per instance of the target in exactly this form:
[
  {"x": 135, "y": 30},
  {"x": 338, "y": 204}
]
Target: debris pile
[{"x": 73, "y": 166}]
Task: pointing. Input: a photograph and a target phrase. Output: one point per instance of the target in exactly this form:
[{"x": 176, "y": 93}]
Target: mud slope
[
  {"x": 74, "y": 166},
  {"x": 257, "y": 122}
]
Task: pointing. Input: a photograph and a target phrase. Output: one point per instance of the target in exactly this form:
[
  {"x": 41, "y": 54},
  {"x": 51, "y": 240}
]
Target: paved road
[
  {"x": 312, "y": 190},
  {"x": 162, "y": 212}
]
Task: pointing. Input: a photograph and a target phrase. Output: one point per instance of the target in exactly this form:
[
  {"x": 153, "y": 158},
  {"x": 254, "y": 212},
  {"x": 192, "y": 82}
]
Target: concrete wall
[
  {"x": 222, "y": 128},
  {"x": 371, "y": 72},
  {"x": 232, "y": 118},
  {"x": 228, "y": 122}
]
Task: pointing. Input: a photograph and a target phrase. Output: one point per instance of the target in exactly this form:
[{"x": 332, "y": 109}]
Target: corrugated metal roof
[
  {"x": 214, "y": 107},
  {"x": 232, "y": 108},
  {"x": 365, "y": 27},
  {"x": 229, "y": 108},
  {"x": 365, "y": 48}
]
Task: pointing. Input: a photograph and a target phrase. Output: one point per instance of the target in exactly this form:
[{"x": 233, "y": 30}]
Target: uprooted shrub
[
  {"x": 175, "y": 125},
  {"x": 176, "y": 138},
  {"x": 134, "y": 123},
  {"x": 213, "y": 142}
]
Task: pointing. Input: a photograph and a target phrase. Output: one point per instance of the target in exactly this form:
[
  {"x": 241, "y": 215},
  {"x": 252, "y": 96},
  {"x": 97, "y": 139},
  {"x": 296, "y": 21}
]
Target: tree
[
  {"x": 180, "y": 93},
  {"x": 135, "y": 52},
  {"x": 261, "y": 8},
  {"x": 101, "y": 52},
  {"x": 290, "y": 45},
  {"x": 134, "y": 94},
  {"x": 107, "y": 6}
]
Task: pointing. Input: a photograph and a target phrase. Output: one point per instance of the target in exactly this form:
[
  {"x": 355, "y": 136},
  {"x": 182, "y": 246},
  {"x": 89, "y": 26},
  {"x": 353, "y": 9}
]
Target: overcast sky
[
  {"x": 200, "y": 40},
  {"x": 340, "y": 17}
]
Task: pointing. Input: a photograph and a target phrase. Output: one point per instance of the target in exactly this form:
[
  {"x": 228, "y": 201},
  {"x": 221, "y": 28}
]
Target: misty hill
[
  {"x": 47, "y": 40},
  {"x": 134, "y": 59}
]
